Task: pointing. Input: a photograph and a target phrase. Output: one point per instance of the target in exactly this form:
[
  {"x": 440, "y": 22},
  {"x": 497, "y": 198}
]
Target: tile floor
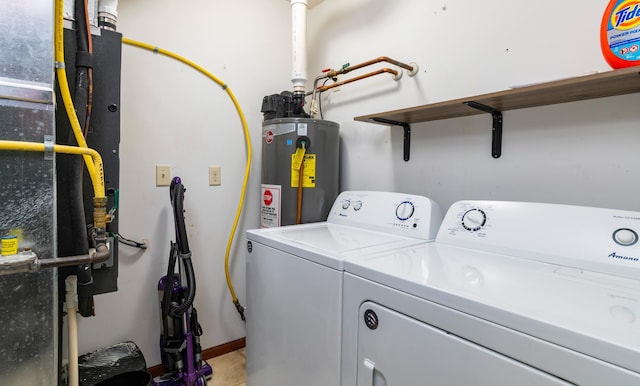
[{"x": 228, "y": 369}]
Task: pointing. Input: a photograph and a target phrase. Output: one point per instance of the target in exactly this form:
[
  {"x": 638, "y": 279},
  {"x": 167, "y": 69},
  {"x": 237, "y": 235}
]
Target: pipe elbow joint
[{"x": 100, "y": 254}]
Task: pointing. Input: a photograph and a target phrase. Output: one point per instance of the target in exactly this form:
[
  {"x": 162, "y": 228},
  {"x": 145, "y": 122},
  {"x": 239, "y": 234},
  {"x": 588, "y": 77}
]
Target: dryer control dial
[
  {"x": 474, "y": 219},
  {"x": 625, "y": 237},
  {"x": 405, "y": 210}
]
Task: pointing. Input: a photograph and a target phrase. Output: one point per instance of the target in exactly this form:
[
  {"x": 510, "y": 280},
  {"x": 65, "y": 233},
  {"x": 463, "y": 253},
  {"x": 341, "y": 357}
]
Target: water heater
[{"x": 284, "y": 192}]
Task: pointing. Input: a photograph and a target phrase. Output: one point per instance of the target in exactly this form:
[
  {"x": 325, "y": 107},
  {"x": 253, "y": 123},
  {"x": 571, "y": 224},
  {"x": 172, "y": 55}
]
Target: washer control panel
[
  {"x": 625, "y": 237},
  {"x": 474, "y": 219},
  {"x": 405, "y": 210},
  {"x": 595, "y": 239},
  {"x": 397, "y": 213}
]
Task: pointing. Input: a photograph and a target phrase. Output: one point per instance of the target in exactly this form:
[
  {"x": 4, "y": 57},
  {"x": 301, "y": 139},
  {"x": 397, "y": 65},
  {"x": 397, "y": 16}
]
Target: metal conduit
[{"x": 100, "y": 254}]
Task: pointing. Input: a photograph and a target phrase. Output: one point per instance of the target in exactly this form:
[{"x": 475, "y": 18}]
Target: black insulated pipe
[{"x": 82, "y": 96}]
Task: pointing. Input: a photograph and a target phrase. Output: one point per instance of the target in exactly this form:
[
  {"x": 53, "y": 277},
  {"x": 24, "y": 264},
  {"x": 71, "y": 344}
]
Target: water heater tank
[{"x": 280, "y": 180}]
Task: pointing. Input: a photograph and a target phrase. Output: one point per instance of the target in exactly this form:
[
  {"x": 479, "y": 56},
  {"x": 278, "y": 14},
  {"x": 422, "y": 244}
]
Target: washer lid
[
  {"x": 329, "y": 244},
  {"x": 592, "y": 313}
]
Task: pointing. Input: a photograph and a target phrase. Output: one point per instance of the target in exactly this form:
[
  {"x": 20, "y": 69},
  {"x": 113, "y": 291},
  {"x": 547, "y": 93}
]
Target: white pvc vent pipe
[
  {"x": 108, "y": 14},
  {"x": 71, "y": 298},
  {"x": 299, "y": 44}
]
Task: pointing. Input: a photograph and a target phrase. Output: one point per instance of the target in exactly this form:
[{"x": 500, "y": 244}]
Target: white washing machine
[
  {"x": 295, "y": 281},
  {"x": 508, "y": 294}
]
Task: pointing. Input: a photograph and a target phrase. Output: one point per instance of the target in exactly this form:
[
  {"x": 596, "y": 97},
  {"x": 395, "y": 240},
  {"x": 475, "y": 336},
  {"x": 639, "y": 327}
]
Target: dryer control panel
[
  {"x": 397, "y": 213},
  {"x": 595, "y": 239}
]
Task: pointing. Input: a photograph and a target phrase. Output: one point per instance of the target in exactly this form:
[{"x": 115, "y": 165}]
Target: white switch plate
[
  {"x": 163, "y": 175},
  {"x": 215, "y": 176}
]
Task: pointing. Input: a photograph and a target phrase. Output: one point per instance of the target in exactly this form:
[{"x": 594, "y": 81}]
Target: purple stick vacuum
[{"x": 180, "y": 339}]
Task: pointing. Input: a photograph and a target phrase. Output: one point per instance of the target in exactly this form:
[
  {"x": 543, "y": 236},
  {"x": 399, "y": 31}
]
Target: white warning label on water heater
[
  {"x": 302, "y": 128},
  {"x": 270, "y": 206}
]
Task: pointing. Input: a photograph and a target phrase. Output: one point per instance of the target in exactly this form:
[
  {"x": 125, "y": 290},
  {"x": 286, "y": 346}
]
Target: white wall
[
  {"x": 578, "y": 153},
  {"x": 581, "y": 153},
  {"x": 173, "y": 115}
]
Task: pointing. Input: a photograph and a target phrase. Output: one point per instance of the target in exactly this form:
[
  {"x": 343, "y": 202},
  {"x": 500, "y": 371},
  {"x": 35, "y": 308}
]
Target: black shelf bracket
[
  {"x": 496, "y": 136},
  {"x": 407, "y": 134}
]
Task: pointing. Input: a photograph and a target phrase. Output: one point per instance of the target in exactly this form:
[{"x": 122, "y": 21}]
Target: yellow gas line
[
  {"x": 94, "y": 157},
  {"x": 97, "y": 176},
  {"x": 226, "y": 88}
]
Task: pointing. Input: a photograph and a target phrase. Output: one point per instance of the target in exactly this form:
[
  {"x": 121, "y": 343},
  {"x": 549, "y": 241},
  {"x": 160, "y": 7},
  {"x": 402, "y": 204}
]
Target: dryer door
[{"x": 395, "y": 350}]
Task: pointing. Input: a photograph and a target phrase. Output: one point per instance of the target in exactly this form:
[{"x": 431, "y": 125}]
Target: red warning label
[
  {"x": 267, "y": 197},
  {"x": 269, "y": 136},
  {"x": 270, "y": 206}
]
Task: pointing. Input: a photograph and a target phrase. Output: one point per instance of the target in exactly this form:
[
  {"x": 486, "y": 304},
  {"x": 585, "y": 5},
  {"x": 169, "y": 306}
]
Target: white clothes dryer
[
  {"x": 295, "y": 281},
  {"x": 508, "y": 294}
]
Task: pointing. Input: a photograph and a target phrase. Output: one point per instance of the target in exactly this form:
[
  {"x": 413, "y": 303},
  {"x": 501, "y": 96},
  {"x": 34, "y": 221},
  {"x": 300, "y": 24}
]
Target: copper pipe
[
  {"x": 335, "y": 73},
  {"x": 360, "y": 77},
  {"x": 300, "y": 182},
  {"x": 374, "y": 61}
]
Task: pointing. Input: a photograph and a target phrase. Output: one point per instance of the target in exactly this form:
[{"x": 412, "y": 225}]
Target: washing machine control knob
[
  {"x": 405, "y": 210},
  {"x": 345, "y": 204},
  {"x": 625, "y": 237},
  {"x": 357, "y": 205},
  {"x": 474, "y": 219}
]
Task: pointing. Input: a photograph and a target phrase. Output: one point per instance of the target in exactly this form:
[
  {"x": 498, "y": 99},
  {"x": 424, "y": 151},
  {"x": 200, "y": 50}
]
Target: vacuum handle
[{"x": 177, "y": 190}]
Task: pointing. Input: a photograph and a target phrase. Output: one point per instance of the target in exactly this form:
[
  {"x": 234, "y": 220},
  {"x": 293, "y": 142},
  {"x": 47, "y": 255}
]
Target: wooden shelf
[
  {"x": 618, "y": 82},
  {"x": 610, "y": 83}
]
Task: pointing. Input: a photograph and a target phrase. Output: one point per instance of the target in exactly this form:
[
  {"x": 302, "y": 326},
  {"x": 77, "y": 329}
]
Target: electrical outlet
[
  {"x": 215, "y": 176},
  {"x": 163, "y": 175}
]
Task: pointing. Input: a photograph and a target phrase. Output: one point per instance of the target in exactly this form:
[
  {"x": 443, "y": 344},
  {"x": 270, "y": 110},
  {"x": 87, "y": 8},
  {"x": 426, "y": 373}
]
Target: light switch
[
  {"x": 163, "y": 175},
  {"x": 215, "y": 177}
]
